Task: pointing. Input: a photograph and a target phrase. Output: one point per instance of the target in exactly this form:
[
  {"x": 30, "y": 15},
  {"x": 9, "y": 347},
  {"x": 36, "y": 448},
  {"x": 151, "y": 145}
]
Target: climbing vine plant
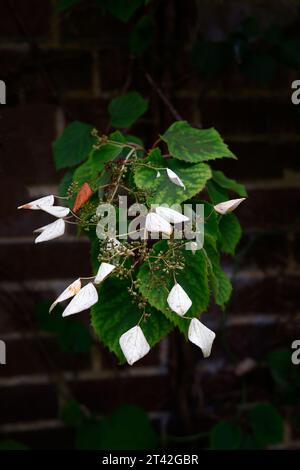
[{"x": 159, "y": 272}]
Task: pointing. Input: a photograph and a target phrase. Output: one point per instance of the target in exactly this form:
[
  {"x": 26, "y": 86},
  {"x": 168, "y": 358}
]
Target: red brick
[
  {"x": 103, "y": 396},
  {"x": 56, "y": 260},
  {"x": 27, "y": 133},
  {"x": 28, "y": 402}
]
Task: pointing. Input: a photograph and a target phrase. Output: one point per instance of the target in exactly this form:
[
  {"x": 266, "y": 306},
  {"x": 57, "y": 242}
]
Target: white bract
[
  {"x": 49, "y": 232},
  {"x": 69, "y": 292},
  {"x": 175, "y": 178},
  {"x": 201, "y": 336},
  {"x": 134, "y": 344},
  {"x": 170, "y": 215},
  {"x": 104, "y": 270},
  {"x": 57, "y": 211},
  {"x": 178, "y": 300},
  {"x": 155, "y": 223},
  {"x": 228, "y": 206},
  {"x": 38, "y": 203},
  {"x": 86, "y": 297},
  {"x": 158, "y": 174}
]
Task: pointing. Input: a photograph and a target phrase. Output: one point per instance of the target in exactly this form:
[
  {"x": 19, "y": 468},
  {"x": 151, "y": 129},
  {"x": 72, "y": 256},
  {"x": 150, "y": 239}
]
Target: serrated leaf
[
  {"x": 195, "y": 145},
  {"x": 216, "y": 193},
  {"x": 230, "y": 233},
  {"x": 115, "y": 313},
  {"x": 155, "y": 287},
  {"x": 89, "y": 170},
  {"x": 125, "y": 110},
  {"x": 227, "y": 183},
  {"x": 121, "y": 9},
  {"x": 163, "y": 191},
  {"x": 267, "y": 424},
  {"x": 220, "y": 282},
  {"x": 73, "y": 146}
]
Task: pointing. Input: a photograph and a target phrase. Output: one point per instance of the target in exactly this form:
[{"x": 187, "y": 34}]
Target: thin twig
[{"x": 163, "y": 97}]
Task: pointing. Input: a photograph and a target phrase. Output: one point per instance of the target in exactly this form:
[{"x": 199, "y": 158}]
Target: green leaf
[
  {"x": 230, "y": 233},
  {"x": 72, "y": 414},
  {"x": 121, "y": 9},
  {"x": 155, "y": 287},
  {"x": 142, "y": 35},
  {"x": 195, "y": 145},
  {"x": 115, "y": 313},
  {"x": 90, "y": 170},
  {"x": 73, "y": 146},
  {"x": 125, "y": 110},
  {"x": 12, "y": 445},
  {"x": 227, "y": 183},
  {"x": 267, "y": 424},
  {"x": 162, "y": 189},
  {"x": 216, "y": 193},
  {"x": 63, "y": 5},
  {"x": 127, "y": 428},
  {"x": 225, "y": 436},
  {"x": 220, "y": 282},
  {"x": 65, "y": 182}
]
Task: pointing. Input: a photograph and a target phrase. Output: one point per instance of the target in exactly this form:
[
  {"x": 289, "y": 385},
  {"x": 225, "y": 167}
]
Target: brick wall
[{"x": 58, "y": 69}]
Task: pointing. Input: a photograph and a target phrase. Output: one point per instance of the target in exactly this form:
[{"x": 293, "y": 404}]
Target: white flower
[
  {"x": 57, "y": 211},
  {"x": 134, "y": 345},
  {"x": 174, "y": 178},
  {"x": 158, "y": 174},
  {"x": 36, "y": 205},
  {"x": 86, "y": 297},
  {"x": 178, "y": 300},
  {"x": 49, "y": 232},
  {"x": 228, "y": 206},
  {"x": 113, "y": 244},
  {"x": 155, "y": 223},
  {"x": 104, "y": 270},
  {"x": 201, "y": 336},
  {"x": 70, "y": 291},
  {"x": 170, "y": 215}
]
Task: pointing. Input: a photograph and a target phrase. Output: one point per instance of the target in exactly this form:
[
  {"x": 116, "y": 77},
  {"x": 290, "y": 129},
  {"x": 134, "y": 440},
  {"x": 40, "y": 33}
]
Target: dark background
[{"x": 64, "y": 67}]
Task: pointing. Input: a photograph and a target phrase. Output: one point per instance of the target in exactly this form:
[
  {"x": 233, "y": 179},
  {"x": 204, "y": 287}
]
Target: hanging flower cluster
[{"x": 120, "y": 259}]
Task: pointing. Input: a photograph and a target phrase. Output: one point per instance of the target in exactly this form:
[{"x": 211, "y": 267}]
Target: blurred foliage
[
  {"x": 72, "y": 335},
  {"x": 266, "y": 428},
  {"x": 127, "y": 428},
  {"x": 12, "y": 445}
]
